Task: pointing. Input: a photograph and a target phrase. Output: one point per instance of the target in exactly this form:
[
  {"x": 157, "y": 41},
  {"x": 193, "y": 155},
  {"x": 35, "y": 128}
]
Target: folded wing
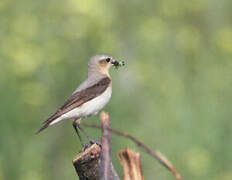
[{"x": 77, "y": 99}]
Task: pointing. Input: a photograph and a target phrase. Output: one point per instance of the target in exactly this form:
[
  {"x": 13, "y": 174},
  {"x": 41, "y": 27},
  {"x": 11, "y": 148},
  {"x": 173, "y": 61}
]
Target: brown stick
[
  {"x": 106, "y": 152},
  {"x": 156, "y": 154},
  {"x": 131, "y": 163}
]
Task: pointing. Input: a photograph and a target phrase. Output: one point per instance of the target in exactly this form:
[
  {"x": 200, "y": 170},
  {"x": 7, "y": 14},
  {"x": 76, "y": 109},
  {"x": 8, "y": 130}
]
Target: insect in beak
[{"x": 118, "y": 63}]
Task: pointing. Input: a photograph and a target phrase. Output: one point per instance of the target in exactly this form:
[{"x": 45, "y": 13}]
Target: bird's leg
[
  {"x": 76, "y": 130},
  {"x": 83, "y": 131},
  {"x": 78, "y": 122}
]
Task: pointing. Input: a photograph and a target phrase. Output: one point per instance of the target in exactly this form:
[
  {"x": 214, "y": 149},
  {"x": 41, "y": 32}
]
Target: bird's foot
[
  {"x": 92, "y": 141},
  {"x": 85, "y": 146}
]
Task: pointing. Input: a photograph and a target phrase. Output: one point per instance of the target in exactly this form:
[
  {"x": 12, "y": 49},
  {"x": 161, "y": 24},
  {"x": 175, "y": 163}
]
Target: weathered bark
[
  {"x": 131, "y": 163},
  {"x": 88, "y": 164}
]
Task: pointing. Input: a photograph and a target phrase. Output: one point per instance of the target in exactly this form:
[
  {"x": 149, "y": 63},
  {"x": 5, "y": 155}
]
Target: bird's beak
[{"x": 115, "y": 63}]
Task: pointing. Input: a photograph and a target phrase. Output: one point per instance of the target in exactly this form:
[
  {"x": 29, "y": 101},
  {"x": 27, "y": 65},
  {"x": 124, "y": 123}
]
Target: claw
[{"x": 94, "y": 142}]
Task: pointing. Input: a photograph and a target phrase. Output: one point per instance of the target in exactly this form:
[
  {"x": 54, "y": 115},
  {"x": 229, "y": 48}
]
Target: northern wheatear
[{"x": 90, "y": 97}]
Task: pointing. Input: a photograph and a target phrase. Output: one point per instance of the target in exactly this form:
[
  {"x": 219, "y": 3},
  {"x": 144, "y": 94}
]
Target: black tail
[
  {"x": 43, "y": 127},
  {"x": 47, "y": 123}
]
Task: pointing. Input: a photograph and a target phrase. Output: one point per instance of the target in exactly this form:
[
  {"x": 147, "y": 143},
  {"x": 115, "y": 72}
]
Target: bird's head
[{"x": 102, "y": 63}]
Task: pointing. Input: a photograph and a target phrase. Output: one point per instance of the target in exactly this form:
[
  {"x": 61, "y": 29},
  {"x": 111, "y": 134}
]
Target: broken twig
[{"x": 131, "y": 163}]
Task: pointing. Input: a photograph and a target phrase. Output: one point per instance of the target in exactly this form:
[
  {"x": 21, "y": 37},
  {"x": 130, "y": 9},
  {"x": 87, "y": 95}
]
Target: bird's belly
[
  {"x": 95, "y": 105},
  {"x": 91, "y": 107}
]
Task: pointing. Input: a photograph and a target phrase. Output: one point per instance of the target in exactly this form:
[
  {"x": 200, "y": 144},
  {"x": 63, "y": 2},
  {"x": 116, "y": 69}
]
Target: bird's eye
[{"x": 107, "y": 59}]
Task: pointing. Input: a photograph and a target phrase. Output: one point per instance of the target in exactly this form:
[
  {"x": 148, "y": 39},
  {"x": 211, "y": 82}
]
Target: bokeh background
[{"x": 174, "y": 92}]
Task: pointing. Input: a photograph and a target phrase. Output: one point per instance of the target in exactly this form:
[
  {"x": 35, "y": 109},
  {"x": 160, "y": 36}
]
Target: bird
[{"x": 89, "y": 98}]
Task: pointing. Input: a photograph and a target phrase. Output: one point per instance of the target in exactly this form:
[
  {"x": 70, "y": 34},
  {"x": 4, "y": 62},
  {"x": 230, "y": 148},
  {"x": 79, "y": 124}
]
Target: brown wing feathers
[{"x": 77, "y": 99}]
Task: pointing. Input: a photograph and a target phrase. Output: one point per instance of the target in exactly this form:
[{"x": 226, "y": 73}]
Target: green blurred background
[{"x": 174, "y": 92}]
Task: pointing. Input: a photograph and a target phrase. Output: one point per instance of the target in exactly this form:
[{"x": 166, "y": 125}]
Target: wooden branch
[
  {"x": 94, "y": 161},
  {"x": 155, "y": 154},
  {"x": 88, "y": 164},
  {"x": 131, "y": 163}
]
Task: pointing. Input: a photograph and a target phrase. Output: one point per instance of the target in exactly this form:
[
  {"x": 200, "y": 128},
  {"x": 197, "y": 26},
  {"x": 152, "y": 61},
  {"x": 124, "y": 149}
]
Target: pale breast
[
  {"x": 95, "y": 105},
  {"x": 91, "y": 107}
]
